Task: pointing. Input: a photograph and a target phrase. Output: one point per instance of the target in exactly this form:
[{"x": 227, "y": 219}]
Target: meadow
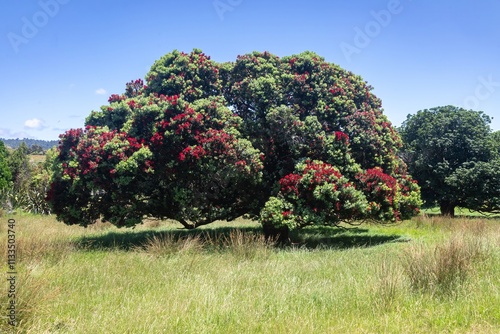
[{"x": 427, "y": 275}]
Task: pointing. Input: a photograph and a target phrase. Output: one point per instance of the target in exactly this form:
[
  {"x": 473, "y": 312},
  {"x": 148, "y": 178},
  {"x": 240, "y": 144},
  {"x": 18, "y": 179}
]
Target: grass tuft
[
  {"x": 389, "y": 286},
  {"x": 168, "y": 244},
  {"x": 444, "y": 267},
  {"x": 33, "y": 300},
  {"x": 239, "y": 243}
]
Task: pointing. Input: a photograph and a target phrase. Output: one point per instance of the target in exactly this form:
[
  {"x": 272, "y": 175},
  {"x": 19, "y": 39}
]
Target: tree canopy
[
  {"x": 448, "y": 150},
  {"x": 495, "y": 138},
  {"x": 293, "y": 139}
]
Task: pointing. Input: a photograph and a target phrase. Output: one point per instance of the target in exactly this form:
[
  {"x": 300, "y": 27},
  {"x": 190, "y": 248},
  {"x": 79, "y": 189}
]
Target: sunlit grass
[
  {"x": 225, "y": 278},
  {"x": 461, "y": 212}
]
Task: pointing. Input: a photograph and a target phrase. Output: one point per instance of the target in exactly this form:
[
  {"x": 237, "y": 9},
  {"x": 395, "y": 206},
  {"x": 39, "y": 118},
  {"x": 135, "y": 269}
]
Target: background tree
[
  {"x": 201, "y": 141},
  {"x": 495, "y": 138},
  {"x": 477, "y": 185},
  {"x": 5, "y": 173},
  {"x": 36, "y": 149},
  {"x": 34, "y": 196},
  {"x": 438, "y": 143},
  {"x": 19, "y": 164},
  {"x": 29, "y": 183}
]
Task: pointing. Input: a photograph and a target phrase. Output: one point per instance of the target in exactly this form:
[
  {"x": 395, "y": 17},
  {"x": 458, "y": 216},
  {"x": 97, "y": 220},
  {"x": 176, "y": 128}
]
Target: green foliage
[
  {"x": 5, "y": 173},
  {"x": 477, "y": 185},
  {"x": 190, "y": 76},
  {"x": 315, "y": 194},
  {"x": 167, "y": 159},
  {"x": 440, "y": 141},
  {"x": 301, "y": 107},
  {"x": 390, "y": 199},
  {"x": 30, "y": 183},
  {"x": 20, "y": 167},
  {"x": 318, "y": 194},
  {"x": 495, "y": 139}
]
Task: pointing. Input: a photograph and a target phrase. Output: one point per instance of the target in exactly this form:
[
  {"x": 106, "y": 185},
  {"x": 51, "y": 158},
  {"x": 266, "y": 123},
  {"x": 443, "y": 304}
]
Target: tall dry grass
[
  {"x": 442, "y": 267},
  {"x": 38, "y": 244},
  {"x": 33, "y": 299},
  {"x": 228, "y": 279},
  {"x": 237, "y": 242}
]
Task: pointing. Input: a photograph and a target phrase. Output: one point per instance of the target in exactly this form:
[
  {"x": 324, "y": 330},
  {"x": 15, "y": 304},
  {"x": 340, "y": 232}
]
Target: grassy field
[
  {"x": 462, "y": 212},
  {"x": 428, "y": 275}
]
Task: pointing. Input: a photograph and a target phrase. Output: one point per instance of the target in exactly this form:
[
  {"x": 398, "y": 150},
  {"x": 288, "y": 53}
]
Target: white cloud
[
  {"x": 8, "y": 134},
  {"x": 35, "y": 124},
  {"x": 101, "y": 91}
]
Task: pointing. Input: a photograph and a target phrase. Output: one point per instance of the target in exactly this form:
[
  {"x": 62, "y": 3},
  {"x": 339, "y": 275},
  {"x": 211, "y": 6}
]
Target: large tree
[
  {"x": 201, "y": 141},
  {"x": 442, "y": 144}
]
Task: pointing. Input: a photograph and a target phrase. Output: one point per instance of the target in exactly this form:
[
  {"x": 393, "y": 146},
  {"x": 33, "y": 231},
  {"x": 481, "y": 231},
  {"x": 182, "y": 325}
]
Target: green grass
[
  {"x": 461, "y": 212},
  {"x": 428, "y": 275}
]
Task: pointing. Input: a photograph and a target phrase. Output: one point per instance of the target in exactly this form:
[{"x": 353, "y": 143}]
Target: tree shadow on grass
[
  {"x": 463, "y": 213},
  {"x": 309, "y": 238},
  {"x": 340, "y": 238},
  {"x": 129, "y": 240}
]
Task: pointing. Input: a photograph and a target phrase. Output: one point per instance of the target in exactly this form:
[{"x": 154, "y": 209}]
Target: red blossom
[
  {"x": 341, "y": 136},
  {"x": 289, "y": 183},
  {"x": 115, "y": 98}
]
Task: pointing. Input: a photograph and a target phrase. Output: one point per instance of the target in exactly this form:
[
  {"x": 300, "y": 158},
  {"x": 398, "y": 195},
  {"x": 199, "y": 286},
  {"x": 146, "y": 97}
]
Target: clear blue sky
[{"x": 61, "y": 59}]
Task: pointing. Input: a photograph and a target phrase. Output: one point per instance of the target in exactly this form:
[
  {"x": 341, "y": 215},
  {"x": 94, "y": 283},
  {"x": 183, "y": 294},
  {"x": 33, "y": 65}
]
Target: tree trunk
[
  {"x": 187, "y": 225},
  {"x": 447, "y": 209},
  {"x": 280, "y": 236}
]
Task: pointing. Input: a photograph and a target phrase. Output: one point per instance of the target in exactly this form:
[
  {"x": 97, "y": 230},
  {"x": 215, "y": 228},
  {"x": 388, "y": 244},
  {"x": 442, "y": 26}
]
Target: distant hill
[{"x": 45, "y": 144}]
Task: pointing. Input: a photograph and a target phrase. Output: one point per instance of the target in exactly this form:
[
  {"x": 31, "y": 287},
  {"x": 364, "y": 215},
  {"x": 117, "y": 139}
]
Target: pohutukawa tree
[{"x": 295, "y": 141}]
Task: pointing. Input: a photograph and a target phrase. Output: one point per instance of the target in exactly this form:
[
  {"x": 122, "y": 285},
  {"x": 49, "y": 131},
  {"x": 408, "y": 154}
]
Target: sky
[{"x": 62, "y": 59}]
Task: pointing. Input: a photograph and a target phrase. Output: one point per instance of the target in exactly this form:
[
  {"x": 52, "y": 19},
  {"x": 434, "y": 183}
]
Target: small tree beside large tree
[{"x": 451, "y": 152}]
